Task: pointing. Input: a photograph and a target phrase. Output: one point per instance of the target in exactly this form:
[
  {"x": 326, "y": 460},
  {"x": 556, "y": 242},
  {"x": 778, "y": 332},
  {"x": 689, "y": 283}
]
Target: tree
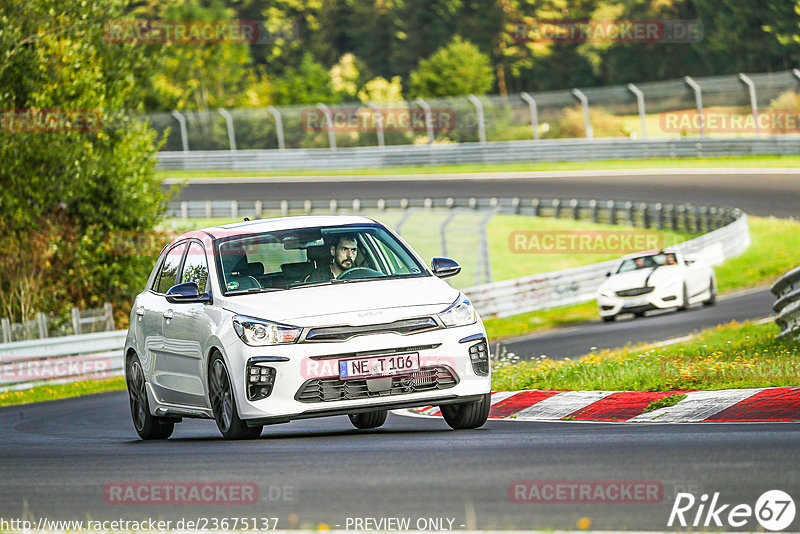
[
  {"x": 76, "y": 170},
  {"x": 457, "y": 69},
  {"x": 309, "y": 84}
]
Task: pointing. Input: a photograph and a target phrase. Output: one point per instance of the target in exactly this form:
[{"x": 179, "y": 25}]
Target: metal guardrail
[
  {"x": 24, "y": 364},
  {"x": 492, "y": 152},
  {"x": 787, "y": 305}
]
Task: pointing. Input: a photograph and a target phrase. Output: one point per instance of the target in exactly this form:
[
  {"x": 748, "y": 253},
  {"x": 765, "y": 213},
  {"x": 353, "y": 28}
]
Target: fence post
[
  {"x": 331, "y": 134},
  {"x": 698, "y": 98},
  {"x": 593, "y": 207},
  {"x": 109, "y": 311},
  {"x": 259, "y": 209},
  {"x": 426, "y": 108},
  {"x": 479, "y": 112},
  {"x": 234, "y": 209},
  {"x": 41, "y": 322},
  {"x": 229, "y": 126},
  {"x": 378, "y": 123},
  {"x": 556, "y": 208},
  {"x": 284, "y": 208},
  {"x": 629, "y": 207},
  {"x": 659, "y": 216},
  {"x": 278, "y": 125},
  {"x": 443, "y": 232},
  {"x": 640, "y": 104},
  {"x": 645, "y": 215},
  {"x": 612, "y": 212},
  {"x": 76, "y": 321},
  {"x": 483, "y": 252},
  {"x": 534, "y": 113},
  {"x": 751, "y": 87},
  {"x": 184, "y": 210},
  {"x": 575, "y": 211},
  {"x": 334, "y": 206},
  {"x": 182, "y": 124},
  {"x": 6, "y": 324},
  {"x": 209, "y": 212},
  {"x": 585, "y": 104}
]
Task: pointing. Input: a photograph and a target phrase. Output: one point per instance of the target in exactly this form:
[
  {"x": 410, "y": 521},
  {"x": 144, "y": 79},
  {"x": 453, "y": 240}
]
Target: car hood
[
  {"x": 637, "y": 278},
  {"x": 368, "y": 302}
]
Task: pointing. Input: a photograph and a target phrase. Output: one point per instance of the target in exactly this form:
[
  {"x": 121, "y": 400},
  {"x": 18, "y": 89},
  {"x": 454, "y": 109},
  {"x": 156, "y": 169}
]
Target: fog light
[
  {"x": 479, "y": 356},
  {"x": 260, "y": 381}
]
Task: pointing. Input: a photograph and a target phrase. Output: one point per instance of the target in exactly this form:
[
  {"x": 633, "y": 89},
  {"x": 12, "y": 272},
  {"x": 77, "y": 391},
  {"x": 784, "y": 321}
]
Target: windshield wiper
[{"x": 254, "y": 290}]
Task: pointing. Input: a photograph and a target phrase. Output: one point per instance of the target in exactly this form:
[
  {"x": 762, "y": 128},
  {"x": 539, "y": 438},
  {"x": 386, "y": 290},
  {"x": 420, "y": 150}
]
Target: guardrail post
[
  {"x": 184, "y": 210},
  {"x": 6, "y": 326},
  {"x": 698, "y": 98},
  {"x": 515, "y": 205},
  {"x": 209, "y": 211},
  {"x": 686, "y": 226},
  {"x": 331, "y": 134},
  {"x": 333, "y": 206},
  {"x": 41, "y": 322},
  {"x": 612, "y": 212},
  {"x": 356, "y": 205},
  {"x": 534, "y": 111},
  {"x": 307, "y": 207},
  {"x": 751, "y": 88},
  {"x": 284, "y": 207},
  {"x": 76, "y": 321},
  {"x": 575, "y": 211},
  {"x": 378, "y": 123},
  {"x": 796, "y": 73},
  {"x": 479, "y": 112},
  {"x": 234, "y": 209},
  {"x": 645, "y": 215},
  {"x": 259, "y": 209},
  {"x": 659, "y": 216},
  {"x": 639, "y": 104},
  {"x": 229, "y": 126},
  {"x": 536, "y": 207},
  {"x": 585, "y": 104},
  {"x": 109, "y": 311},
  {"x": 556, "y": 208},
  {"x": 278, "y": 126},
  {"x": 381, "y": 204},
  {"x": 182, "y": 128},
  {"x": 593, "y": 208},
  {"x": 426, "y": 108},
  {"x": 673, "y": 218},
  {"x": 629, "y": 208}
]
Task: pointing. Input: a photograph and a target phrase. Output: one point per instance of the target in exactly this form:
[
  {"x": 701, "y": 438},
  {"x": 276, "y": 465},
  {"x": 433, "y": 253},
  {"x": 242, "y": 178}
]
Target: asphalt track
[
  {"x": 768, "y": 193},
  {"x": 655, "y": 326},
  {"x": 58, "y": 457}
]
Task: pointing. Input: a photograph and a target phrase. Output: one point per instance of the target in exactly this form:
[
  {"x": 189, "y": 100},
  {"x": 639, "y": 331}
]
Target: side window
[
  {"x": 195, "y": 268},
  {"x": 169, "y": 270}
]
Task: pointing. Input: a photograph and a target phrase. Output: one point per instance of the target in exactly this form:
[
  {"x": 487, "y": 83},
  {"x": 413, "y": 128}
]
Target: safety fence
[
  {"x": 787, "y": 305},
  {"x": 51, "y": 325}
]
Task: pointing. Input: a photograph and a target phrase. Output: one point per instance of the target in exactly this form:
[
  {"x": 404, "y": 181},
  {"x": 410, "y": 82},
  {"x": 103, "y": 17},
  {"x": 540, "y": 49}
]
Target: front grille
[
  {"x": 635, "y": 291},
  {"x": 335, "y": 389},
  {"x": 343, "y": 333}
]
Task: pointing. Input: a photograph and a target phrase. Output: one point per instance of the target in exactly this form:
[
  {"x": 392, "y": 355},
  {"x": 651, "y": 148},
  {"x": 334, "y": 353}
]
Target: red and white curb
[{"x": 728, "y": 405}]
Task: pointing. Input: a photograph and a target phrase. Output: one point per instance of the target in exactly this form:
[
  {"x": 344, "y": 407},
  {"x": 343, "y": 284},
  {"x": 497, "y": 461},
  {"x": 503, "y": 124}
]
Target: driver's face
[{"x": 344, "y": 255}]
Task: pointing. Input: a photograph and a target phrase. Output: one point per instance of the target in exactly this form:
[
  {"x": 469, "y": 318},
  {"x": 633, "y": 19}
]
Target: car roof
[
  {"x": 259, "y": 226},
  {"x": 644, "y": 253}
]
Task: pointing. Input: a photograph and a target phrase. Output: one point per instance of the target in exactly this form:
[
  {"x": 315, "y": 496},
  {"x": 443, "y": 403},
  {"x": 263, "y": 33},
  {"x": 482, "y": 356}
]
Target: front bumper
[
  {"x": 655, "y": 300},
  {"x": 308, "y": 362}
]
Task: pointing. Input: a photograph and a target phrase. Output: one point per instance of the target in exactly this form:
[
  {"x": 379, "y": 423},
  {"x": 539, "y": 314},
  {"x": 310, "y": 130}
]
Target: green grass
[
  {"x": 731, "y": 356},
  {"x": 665, "y": 402},
  {"x": 61, "y": 391},
  {"x": 732, "y": 162}
]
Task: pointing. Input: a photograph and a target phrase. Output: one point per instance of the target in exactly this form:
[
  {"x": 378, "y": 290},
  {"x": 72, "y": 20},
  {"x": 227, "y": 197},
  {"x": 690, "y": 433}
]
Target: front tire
[
  {"x": 223, "y": 403},
  {"x": 685, "y": 304},
  {"x": 467, "y": 415},
  {"x": 368, "y": 419},
  {"x": 712, "y": 294},
  {"x": 609, "y": 318},
  {"x": 147, "y": 425}
]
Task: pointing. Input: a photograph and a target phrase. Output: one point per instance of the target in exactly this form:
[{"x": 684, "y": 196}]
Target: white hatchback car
[
  {"x": 654, "y": 280},
  {"x": 266, "y": 321}
]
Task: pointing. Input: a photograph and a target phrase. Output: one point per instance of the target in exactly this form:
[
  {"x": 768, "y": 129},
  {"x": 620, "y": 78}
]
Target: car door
[
  {"x": 187, "y": 326},
  {"x": 153, "y": 307}
]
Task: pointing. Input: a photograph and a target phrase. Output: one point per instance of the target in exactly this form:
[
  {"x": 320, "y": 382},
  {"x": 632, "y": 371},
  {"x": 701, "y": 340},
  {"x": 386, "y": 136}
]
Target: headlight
[
  {"x": 606, "y": 292},
  {"x": 258, "y": 332},
  {"x": 459, "y": 313}
]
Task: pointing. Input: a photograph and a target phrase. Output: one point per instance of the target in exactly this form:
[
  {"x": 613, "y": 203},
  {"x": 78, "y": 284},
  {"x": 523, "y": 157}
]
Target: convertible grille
[
  {"x": 635, "y": 291},
  {"x": 335, "y": 389},
  {"x": 343, "y": 333}
]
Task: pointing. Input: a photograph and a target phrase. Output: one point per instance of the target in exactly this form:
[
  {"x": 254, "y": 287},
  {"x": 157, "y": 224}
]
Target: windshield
[
  {"x": 288, "y": 259},
  {"x": 647, "y": 262}
]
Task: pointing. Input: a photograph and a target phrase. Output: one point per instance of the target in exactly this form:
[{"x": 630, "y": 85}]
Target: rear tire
[
  {"x": 223, "y": 403},
  {"x": 712, "y": 294},
  {"x": 467, "y": 415},
  {"x": 368, "y": 419},
  {"x": 685, "y": 304},
  {"x": 638, "y": 314},
  {"x": 148, "y": 426},
  {"x": 609, "y": 318}
]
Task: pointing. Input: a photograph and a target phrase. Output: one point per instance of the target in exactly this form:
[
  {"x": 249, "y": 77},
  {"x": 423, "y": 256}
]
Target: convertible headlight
[
  {"x": 258, "y": 332},
  {"x": 459, "y": 313},
  {"x": 606, "y": 292}
]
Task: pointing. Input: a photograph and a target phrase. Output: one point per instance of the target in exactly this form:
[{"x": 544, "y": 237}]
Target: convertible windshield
[
  {"x": 648, "y": 262},
  {"x": 300, "y": 257}
]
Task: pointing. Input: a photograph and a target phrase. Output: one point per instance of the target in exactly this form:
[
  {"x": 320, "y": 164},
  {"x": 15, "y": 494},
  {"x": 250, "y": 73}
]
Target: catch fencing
[
  {"x": 50, "y": 325},
  {"x": 787, "y": 305}
]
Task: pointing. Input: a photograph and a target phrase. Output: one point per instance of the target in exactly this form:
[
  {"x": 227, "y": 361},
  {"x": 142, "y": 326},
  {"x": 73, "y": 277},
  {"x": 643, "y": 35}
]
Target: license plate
[
  {"x": 379, "y": 366},
  {"x": 633, "y": 302}
]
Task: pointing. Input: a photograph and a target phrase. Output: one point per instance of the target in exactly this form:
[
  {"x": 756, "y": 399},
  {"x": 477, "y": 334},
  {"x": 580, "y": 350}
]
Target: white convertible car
[{"x": 655, "y": 280}]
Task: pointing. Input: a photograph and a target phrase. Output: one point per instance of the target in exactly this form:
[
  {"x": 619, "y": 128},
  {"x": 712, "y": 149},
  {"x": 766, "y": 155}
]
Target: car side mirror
[
  {"x": 608, "y": 274},
  {"x": 188, "y": 292},
  {"x": 444, "y": 267}
]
